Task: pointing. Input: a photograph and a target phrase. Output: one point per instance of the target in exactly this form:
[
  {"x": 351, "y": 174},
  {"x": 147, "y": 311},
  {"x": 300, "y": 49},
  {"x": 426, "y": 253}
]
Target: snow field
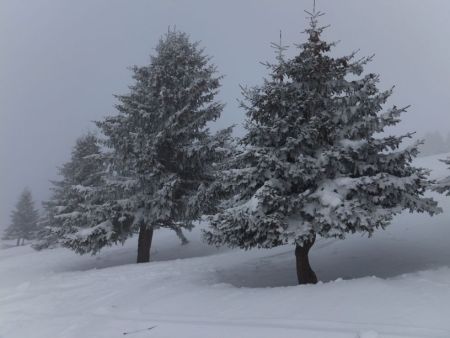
[{"x": 395, "y": 284}]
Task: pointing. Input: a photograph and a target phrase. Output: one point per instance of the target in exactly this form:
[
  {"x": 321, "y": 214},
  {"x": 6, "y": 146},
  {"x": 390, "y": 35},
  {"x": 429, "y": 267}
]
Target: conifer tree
[
  {"x": 162, "y": 155},
  {"x": 72, "y": 206},
  {"x": 23, "y": 220},
  {"x": 316, "y": 159}
]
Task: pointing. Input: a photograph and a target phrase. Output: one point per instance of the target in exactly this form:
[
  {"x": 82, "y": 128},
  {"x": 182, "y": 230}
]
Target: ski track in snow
[{"x": 394, "y": 285}]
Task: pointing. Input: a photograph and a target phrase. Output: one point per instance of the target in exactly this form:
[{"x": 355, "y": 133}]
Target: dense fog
[{"x": 62, "y": 61}]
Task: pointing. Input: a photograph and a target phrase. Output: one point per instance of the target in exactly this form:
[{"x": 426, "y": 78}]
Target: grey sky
[{"x": 62, "y": 61}]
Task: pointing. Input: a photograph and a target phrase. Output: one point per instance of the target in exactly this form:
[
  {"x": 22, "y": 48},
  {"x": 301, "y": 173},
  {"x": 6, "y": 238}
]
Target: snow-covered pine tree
[
  {"x": 443, "y": 186},
  {"x": 314, "y": 161},
  {"x": 75, "y": 199},
  {"x": 23, "y": 219},
  {"x": 163, "y": 155}
]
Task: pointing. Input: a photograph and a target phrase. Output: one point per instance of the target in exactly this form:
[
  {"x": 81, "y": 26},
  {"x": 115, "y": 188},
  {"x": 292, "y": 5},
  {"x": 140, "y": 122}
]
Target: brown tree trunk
[
  {"x": 144, "y": 244},
  {"x": 305, "y": 274}
]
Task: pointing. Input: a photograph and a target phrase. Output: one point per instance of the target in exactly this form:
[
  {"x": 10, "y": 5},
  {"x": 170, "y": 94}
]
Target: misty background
[{"x": 62, "y": 61}]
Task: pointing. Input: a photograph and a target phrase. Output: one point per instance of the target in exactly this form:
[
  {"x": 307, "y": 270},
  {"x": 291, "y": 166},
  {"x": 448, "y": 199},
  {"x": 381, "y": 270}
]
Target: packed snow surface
[{"x": 395, "y": 284}]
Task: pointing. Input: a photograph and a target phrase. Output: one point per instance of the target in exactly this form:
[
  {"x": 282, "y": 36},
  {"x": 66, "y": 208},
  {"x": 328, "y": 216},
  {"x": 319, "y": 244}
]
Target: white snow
[
  {"x": 83, "y": 233},
  {"x": 395, "y": 284},
  {"x": 331, "y": 192},
  {"x": 353, "y": 144}
]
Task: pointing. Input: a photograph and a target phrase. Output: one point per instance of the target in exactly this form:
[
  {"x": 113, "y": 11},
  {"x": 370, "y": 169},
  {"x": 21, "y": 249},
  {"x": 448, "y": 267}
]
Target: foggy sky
[{"x": 62, "y": 61}]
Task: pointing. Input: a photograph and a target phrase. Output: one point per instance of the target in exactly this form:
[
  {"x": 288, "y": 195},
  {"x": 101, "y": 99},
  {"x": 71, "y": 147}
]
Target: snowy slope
[{"x": 395, "y": 284}]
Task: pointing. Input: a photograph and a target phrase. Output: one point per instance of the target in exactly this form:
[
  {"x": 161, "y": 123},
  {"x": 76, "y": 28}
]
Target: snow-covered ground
[{"x": 395, "y": 284}]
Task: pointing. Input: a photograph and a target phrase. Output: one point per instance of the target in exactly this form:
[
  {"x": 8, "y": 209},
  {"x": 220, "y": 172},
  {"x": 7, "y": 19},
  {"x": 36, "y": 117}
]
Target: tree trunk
[
  {"x": 18, "y": 241},
  {"x": 23, "y": 241},
  {"x": 144, "y": 244},
  {"x": 181, "y": 236},
  {"x": 305, "y": 274}
]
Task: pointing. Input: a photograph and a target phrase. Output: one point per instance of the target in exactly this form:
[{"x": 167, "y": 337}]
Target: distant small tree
[
  {"x": 23, "y": 220},
  {"x": 434, "y": 143},
  {"x": 315, "y": 161}
]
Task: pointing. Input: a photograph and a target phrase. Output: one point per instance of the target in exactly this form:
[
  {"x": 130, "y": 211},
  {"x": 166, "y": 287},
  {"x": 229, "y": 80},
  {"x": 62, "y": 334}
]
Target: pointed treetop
[
  {"x": 313, "y": 16},
  {"x": 280, "y": 48}
]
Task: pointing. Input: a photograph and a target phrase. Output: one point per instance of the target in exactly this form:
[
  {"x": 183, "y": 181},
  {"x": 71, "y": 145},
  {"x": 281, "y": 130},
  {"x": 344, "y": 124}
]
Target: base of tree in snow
[{"x": 316, "y": 159}]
